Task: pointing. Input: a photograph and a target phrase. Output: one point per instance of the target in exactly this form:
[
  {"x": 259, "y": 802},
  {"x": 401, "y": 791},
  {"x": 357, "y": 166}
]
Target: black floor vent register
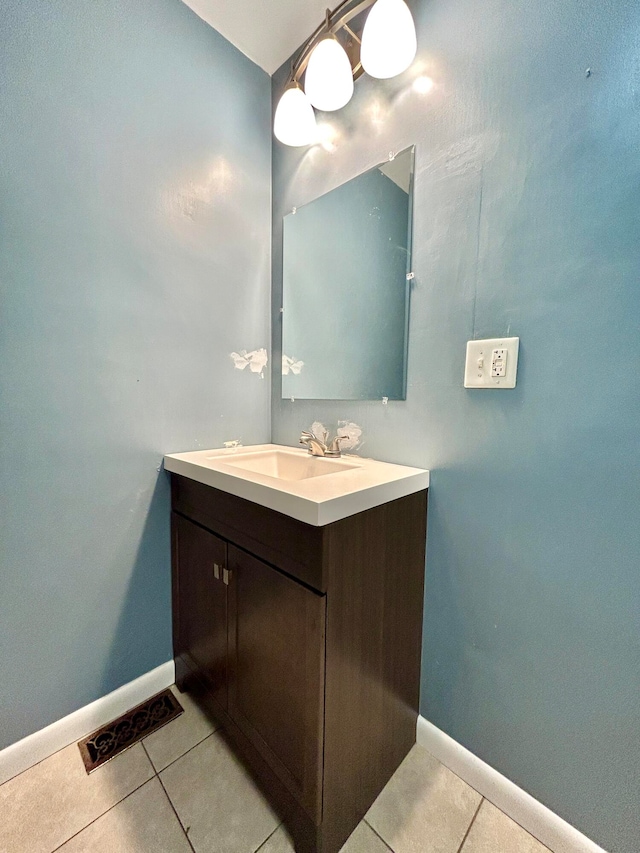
[{"x": 120, "y": 734}]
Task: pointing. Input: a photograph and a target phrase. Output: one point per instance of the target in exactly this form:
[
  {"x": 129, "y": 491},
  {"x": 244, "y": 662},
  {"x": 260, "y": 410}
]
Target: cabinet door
[
  {"x": 200, "y": 603},
  {"x": 276, "y": 672}
]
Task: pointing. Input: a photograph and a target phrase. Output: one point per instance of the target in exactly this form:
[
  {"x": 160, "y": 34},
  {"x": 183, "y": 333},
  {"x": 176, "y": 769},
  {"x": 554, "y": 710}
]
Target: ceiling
[{"x": 267, "y": 31}]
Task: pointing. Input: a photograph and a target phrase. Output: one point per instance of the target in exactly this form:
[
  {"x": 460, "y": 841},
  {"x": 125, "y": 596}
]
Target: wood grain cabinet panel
[
  {"x": 276, "y": 666},
  {"x": 307, "y": 650}
]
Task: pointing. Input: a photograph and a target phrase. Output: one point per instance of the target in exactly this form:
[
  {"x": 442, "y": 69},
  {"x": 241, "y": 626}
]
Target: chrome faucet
[
  {"x": 319, "y": 447},
  {"x": 314, "y": 445}
]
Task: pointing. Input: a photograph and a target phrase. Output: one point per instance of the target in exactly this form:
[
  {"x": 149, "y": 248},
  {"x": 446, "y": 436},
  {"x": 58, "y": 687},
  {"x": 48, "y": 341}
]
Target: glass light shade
[
  {"x": 295, "y": 121},
  {"x": 389, "y": 41},
  {"x": 328, "y": 81}
]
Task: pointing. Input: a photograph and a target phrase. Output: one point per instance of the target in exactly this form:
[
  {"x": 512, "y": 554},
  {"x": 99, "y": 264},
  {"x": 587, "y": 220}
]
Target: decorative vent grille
[{"x": 120, "y": 734}]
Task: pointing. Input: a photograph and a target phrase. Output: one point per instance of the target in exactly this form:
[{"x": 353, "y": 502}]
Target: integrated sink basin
[
  {"x": 285, "y": 465},
  {"x": 316, "y": 490}
]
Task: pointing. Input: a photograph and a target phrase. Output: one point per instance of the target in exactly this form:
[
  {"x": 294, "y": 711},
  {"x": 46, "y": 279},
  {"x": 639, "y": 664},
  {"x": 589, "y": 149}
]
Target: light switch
[{"x": 492, "y": 363}]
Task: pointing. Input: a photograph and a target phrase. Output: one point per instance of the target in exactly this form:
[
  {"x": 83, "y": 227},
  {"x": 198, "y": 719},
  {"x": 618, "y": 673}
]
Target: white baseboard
[
  {"x": 550, "y": 829},
  {"x": 40, "y": 745}
]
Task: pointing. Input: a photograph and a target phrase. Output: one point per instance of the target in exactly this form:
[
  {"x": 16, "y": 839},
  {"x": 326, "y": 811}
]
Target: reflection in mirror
[{"x": 346, "y": 261}]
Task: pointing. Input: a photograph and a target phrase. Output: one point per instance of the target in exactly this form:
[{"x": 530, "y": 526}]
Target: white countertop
[{"x": 317, "y": 500}]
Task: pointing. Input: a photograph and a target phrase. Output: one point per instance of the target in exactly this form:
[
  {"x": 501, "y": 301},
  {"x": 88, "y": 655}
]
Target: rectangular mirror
[{"x": 346, "y": 284}]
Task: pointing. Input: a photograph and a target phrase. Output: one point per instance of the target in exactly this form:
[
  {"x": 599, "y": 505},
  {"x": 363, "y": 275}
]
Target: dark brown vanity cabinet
[{"x": 304, "y": 643}]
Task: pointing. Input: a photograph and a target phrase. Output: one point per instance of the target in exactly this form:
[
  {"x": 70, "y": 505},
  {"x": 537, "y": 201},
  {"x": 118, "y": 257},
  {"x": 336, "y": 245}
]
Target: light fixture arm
[{"x": 335, "y": 21}]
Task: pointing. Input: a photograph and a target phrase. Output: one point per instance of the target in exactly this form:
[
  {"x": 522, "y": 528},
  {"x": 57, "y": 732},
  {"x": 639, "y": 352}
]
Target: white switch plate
[{"x": 490, "y": 357}]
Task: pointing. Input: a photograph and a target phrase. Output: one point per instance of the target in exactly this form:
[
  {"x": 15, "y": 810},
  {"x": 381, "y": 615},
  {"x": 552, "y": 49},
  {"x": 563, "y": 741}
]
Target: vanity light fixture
[
  {"x": 295, "y": 121},
  {"x": 388, "y": 40},
  {"x": 386, "y": 49},
  {"x": 328, "y": 81}
]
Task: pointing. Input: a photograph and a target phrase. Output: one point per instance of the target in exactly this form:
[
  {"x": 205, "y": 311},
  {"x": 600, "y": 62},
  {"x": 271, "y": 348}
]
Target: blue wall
[
  {"x": 134, "y": 257},
  {"x": 527, "y": 222}
]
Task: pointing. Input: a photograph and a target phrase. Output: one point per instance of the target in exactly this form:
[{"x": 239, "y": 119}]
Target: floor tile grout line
[
  {"x": 376, "y": 833},
  {"x": 473, "y": 820},
  {"x": 173, "y": 808},
  {"x": 206, "y": 737},
  {"x": 491, "y": 802},
  {"x": 271, "y": 834},
  {"x": 91, "y": 822},
  {"x": 153, "y": 766}
]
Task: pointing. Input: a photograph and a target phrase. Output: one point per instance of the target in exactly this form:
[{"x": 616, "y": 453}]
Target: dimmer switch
[{"x": 492, "y": 363}]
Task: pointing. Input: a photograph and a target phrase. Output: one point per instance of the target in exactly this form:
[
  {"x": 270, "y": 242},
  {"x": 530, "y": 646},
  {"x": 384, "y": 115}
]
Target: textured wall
[
  {"x": 527, "y": 221},
  {"x": 134, "y": 257}
]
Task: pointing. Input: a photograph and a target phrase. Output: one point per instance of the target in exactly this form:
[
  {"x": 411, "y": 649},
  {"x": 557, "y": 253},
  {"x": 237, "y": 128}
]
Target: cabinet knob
[
  {"x": 216, "y": 571},
  {"x": 226, "y": 576}
]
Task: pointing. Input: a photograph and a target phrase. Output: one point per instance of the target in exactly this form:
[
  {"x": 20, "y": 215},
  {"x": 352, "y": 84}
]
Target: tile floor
[{"x": 181, "y": 790}]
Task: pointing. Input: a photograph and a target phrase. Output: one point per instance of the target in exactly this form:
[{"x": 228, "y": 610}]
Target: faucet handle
[{"x": 334, "y": 447}]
